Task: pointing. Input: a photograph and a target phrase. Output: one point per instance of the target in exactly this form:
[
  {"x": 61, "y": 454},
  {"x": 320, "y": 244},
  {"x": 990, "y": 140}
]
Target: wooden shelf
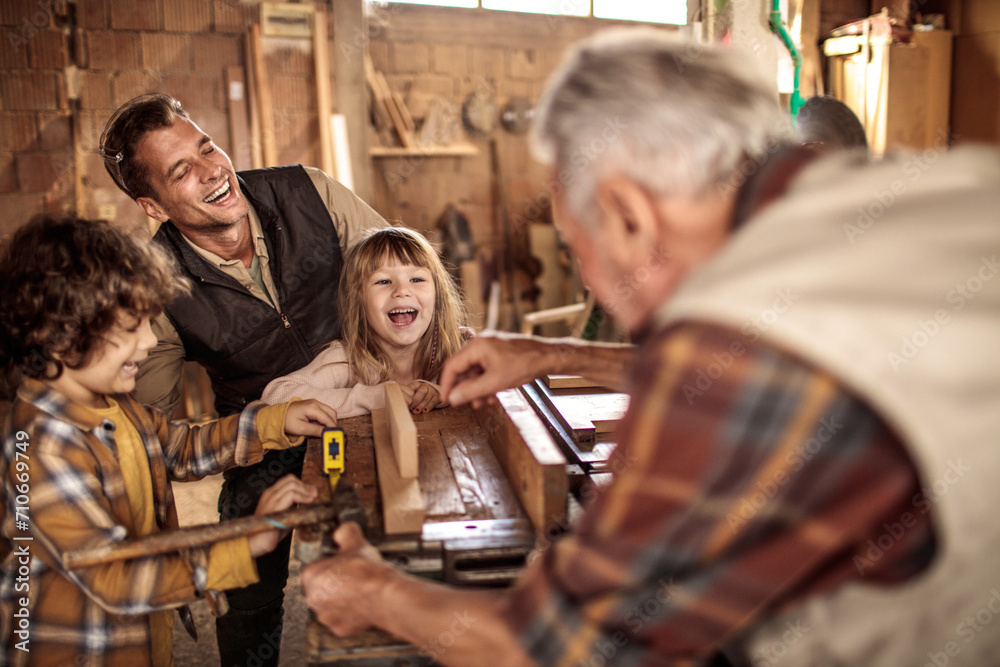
[{"x": 457, "y": 150}]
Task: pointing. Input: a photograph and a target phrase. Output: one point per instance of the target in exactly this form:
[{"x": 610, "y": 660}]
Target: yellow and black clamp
[{"x": 334, "y": 444}]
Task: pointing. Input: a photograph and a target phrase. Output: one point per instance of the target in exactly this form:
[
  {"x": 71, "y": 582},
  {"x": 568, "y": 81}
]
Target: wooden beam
[
  {"x": 352, "y": 99},
  {"x": 239, "y": 125},
  {"x": 529, "y": 457},
  {"x": 403, "y": 431},
  {"x": 321, "y": 55},
  {"x": 264, "y": 104},
  {"x": 256, "y": 150},
  {"x": 403, "y": 506}
]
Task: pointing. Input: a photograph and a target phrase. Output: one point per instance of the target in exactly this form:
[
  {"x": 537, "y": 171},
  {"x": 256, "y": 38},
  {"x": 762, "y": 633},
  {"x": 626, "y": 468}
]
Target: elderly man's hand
[
  {"x": 343, "y": 590},
  {"x": 490, "y": 363}
]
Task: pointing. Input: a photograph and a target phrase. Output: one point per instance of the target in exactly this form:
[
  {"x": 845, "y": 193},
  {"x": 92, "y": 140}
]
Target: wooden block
[
  {"x": 569, "y": 382},
  {"x": 403, "y": 431},
  {"x": 529, "y": 457},
  {"x": 403, "y": 506}
]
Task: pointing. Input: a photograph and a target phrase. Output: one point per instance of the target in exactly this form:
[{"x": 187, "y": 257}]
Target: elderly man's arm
[
  {"x": 357, "y": 589},
  {"x": 488, "y": 364},
  {"x": 730, "y": 500},
  {"x": 159, "y": 380}
]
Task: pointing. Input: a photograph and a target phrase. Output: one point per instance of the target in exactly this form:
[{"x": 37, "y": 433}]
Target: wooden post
[
  {"x": 264, "y": 104},
  {"x": 350, "y": 41},
  {"x": 321, "y": 56},
  {"x": 239, "y": 125}
]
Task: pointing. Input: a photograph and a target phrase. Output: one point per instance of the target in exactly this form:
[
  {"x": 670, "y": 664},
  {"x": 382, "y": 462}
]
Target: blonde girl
[{"x": 402, "y": 318}]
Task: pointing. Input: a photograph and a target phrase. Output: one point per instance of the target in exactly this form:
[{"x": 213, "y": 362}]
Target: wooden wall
[{"x": 975, "y": 101}]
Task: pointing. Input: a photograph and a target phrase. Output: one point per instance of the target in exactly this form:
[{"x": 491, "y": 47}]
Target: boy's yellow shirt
[{"x": 230, "y": 564}]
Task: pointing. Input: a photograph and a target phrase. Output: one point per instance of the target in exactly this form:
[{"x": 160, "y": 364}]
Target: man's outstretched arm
[{"x": 488, "y": 364}]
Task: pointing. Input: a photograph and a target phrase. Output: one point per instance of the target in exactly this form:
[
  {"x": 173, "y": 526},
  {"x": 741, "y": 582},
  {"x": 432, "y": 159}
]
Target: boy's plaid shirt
[{"x": 77, "y": 498}]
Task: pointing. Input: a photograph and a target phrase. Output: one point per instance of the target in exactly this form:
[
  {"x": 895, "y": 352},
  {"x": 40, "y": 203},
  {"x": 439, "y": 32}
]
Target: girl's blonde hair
[{"x": 443, "y": 336}]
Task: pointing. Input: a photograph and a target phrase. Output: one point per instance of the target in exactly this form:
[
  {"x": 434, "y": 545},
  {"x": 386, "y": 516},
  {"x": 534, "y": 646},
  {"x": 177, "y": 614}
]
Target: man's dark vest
[{"x": 243, "y": 342}]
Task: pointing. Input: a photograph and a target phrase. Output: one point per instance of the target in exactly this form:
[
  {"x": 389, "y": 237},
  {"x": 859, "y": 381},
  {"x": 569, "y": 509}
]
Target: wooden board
[
  {"x": 321, "y": 56},
  {"x": 570, "y": 382},
  {"x": 479, "y": 478},
  {"x": 402, "y": 430},
  {"x": 587, "y": 414},
  {"x": 590, "y": 457},
  {"x": 264, "y": 104},
  {"x": 256, "y": 147},
  {"x": 530, "y": 458},
  {"x": 403, "y": 506},
  {"x": 239, "y": 124}
]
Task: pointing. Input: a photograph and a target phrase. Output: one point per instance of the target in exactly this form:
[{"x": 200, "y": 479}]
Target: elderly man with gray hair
[{"x": 811, "y": 437}]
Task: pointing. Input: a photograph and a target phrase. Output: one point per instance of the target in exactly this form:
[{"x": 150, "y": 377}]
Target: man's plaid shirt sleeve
[{"x": 745, "y": 481}]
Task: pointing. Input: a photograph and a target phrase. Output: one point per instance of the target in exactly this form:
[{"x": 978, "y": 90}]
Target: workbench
[{"x": 478, "y": 528}]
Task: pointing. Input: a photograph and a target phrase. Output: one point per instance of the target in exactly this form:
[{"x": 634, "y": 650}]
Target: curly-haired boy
[{"x": 83, "y": 464}]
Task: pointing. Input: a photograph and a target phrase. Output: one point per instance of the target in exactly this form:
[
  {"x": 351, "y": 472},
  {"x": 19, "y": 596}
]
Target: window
[
  {"x": 563, "y": 7},
  {"x": 652, "y": 11}
]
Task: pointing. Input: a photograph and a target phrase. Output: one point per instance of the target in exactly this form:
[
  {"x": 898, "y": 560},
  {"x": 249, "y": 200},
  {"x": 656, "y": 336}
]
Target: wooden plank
[
  {"x": 383, "y": 98},
  {"x": 256, "y": 149},
  {"x": 321, "y": 56},
  {"x": 442, "y": 497},
  {"x": 586, "y": 414},
  {"x": 570, "y": 382},
  {"x": 530, "y": 458},
  {"x": 352, "y": 100},
  {"x": 403, "y": 506},
  {"x": 485, "y": 490},
  {"x": 403, "y": 431},
  {"x": 239, "y": 124},
  {"x": 938, "y": 84},
  {"x": 397, "y": 98},
  {"x": 455, "y": 150},
  {"x": 265, "y": 107},
  {"x": 343, "y": 169}
]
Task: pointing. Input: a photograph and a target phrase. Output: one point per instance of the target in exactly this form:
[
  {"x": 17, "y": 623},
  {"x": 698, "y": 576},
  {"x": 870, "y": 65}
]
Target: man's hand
[
  {"x": 490, "y": 363},
  {"x": 278, "y": 497},
  {"x": 343, "y": 591},
  {"x": 309, "y": 418}
]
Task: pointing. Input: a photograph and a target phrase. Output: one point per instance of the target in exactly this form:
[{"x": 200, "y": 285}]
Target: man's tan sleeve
[
  {"x": 159, "y": 380},
  {"x": 351, "y": 216}
]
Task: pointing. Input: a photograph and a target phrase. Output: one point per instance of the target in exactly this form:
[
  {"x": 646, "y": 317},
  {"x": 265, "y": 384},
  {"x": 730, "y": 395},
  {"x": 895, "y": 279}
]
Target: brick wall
[
  {"x": 427, "y": 52},
  {"x": 111, "y": 51},
  {"x": 66, "y": 65}
]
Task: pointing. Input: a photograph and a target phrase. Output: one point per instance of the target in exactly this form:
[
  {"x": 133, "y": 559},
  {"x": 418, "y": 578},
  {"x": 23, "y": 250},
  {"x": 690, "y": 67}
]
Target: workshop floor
[{"x": 196, "y": 503}]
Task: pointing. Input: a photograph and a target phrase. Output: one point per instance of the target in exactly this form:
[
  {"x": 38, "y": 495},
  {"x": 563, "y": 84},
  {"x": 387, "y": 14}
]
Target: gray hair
[{"x": 674, "y": 116}]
